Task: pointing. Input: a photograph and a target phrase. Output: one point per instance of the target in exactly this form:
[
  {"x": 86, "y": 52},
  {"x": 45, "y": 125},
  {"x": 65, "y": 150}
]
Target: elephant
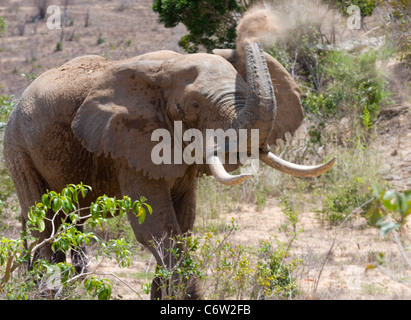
[{"x": 91, "y": 120}]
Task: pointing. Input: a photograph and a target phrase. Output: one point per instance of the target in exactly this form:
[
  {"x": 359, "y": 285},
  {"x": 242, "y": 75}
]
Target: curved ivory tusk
[
  {"x": 222, "y": 176},
  {"x": 294, "y": 169}
]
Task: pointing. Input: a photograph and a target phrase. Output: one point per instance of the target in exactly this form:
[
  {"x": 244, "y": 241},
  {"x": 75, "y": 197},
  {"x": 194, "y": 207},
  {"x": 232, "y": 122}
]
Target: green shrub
[
  {"x": 354, "y": 88},
  {"x": 228, "y": 270},
  {"x": 100, "y": 39},
  {"x": 7, "y": 103},
  {"x": 343, "y": 199},
  {"x": 349, "y": 184},
  {"x": 54, "y": 280},
  {"x": 211, "y": 24},
  {"x": 390, "y": 210},
  {"x": 59, "y": 46},
  {"x": 366, "y": 6},
  {"x": 274, "y": 274}
]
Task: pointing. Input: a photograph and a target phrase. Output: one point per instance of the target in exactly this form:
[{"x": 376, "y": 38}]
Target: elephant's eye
[{"x": 196, "y": 104}]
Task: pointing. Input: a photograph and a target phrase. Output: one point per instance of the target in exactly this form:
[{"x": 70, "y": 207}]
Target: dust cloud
[{"x": 268, "y": 23}]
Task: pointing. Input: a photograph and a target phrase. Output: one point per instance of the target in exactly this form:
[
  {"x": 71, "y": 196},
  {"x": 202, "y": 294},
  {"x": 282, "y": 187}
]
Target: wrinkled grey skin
[{"x": 91, "y": 121}]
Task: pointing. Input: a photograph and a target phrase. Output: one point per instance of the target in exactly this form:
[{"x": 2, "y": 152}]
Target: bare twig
[
  {"x": 318, "y": 276},
  {"x": 390, "y": 275},
  {"x": 401, "y": 248}
]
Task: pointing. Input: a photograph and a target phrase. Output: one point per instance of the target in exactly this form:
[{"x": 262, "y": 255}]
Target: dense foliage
[
  {"x": 366, "y": 6},
  {"x": 211, "y": 23},
  {"x": 54, "y": 280}
]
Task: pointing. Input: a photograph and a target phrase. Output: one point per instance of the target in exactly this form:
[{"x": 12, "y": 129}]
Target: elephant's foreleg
[
  {"x": 79, "y": 259},
  {"x": 159, "y": 228},
  {"x": 184, "y": 195}
]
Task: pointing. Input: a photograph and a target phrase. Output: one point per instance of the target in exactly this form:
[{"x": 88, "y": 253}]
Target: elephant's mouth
[{"x": 259, "y": 113}]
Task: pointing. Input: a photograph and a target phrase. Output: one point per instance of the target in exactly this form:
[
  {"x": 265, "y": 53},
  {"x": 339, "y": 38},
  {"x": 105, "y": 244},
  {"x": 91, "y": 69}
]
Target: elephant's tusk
[
  {"x": 222, "y": 176},
  {"x": 294, "y": 169}
]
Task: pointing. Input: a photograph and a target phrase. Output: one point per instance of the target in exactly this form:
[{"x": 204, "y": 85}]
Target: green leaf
[
  {"x": 95, "y": 211},
  {"x": 136, "y": 208},
  {"x": 75, "y": 197},
  {"x": 88, "y": 284},
  {"x": 41, "y": 225},
  {"x": 403, "y": 203},
  {"x": 374, "y": 214},
  {"x": 386, "y": 227},
  {"x": 67, "y": 192},
  {"x": 126, "y": 203},
  {"x": 146, "y": 287},
  {"x": 104, "y": 293},
  {"x": 390, "y": 200},
  {"x": 46, "y": 201},
  {"x": 150, "y": 210},
  {"x": 142, "y": 216},
  {"x": 56, "y": 204},
  {"x": 377, "y": 190},
  {"x": 67, "y": 206},
  {"x": 84, "y": 189}
]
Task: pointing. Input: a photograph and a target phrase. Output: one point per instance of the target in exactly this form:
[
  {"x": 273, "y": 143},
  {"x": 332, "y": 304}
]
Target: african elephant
[{"x": 91, "y": 121}]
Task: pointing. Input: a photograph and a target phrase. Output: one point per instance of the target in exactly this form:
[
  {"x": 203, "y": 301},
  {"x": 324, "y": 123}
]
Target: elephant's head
[{"x": 134, "y": 98}]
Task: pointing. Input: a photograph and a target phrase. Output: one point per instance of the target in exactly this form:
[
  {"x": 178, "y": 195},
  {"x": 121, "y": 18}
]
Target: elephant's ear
[
  {"x": 121, "y": 112},
  {"x": 289, "y": 110}
]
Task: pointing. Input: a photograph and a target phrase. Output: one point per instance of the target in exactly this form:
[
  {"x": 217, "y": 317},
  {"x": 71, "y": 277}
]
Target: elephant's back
[
  {"x": 63, "y": 89},
  {"x": 39, "y": 128},
  {"x": 52, "y": 98}
]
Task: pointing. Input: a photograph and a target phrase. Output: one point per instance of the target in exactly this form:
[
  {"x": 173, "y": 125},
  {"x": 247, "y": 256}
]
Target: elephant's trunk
[
  {"x": 258, "y": 112},
  {"x": 260, "y": 108}
]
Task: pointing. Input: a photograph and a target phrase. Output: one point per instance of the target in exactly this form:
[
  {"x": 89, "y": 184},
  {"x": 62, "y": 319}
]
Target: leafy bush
[
  {"x": 44, "y": 278},
  {"x": 396, "y": 27},
  {"x": 7, "y": 103},
  {"x": 349, "y": 184},
  {"x": 355, "y": 89},
  {"x": 228, "y": 270},
  {"x": 274, "y": 275},
  {"x": 390, "y": 210},
  {"x": 211, "y": 24},
  {"x": 367, "y": 7},
  {"x": 343, "y": 199}
]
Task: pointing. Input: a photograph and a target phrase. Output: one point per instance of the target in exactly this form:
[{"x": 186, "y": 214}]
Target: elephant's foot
[
  {"x": 193, "y": 289},
  {"x": 79, "y": 261},
  {"x": 163, "y": 290}
]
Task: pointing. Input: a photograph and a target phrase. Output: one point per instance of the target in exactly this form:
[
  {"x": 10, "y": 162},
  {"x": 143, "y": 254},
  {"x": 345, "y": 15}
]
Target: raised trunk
[
  {"x": 259, "y": 113},
  {"x": 260, "y": 108}
]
